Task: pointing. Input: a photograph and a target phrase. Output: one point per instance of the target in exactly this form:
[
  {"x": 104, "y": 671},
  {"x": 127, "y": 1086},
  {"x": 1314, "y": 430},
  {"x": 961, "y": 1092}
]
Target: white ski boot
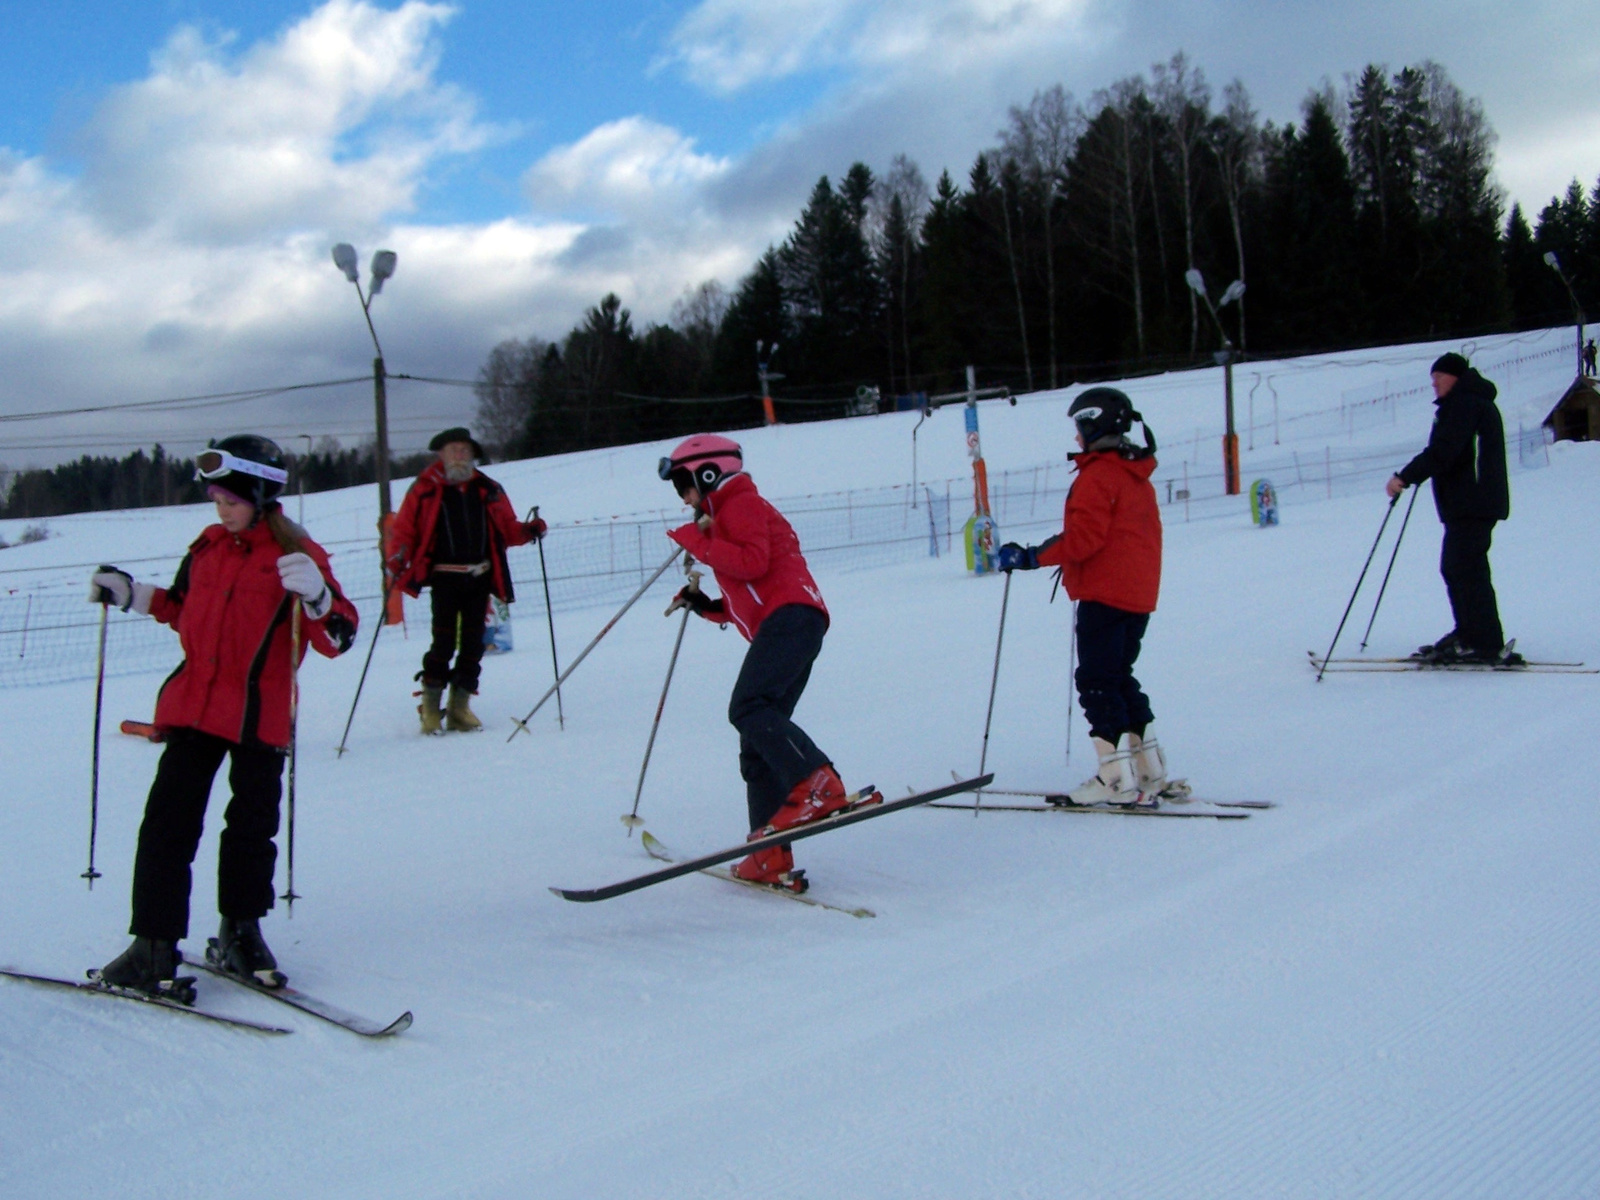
[
  {"x": 1151, "y": 765},
  {"x": 1117, "y": 781}
]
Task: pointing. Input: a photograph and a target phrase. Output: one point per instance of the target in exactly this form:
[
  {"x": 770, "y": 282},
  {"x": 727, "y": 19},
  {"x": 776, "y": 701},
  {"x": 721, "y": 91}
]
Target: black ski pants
[
  {"x": 774, "y": 752},
  {"x": 1108, "y": 646},
  {"x": 174, "y": 817},
  {"x": 1464, "y": 563},
  {"x": 460, "y": 608}
]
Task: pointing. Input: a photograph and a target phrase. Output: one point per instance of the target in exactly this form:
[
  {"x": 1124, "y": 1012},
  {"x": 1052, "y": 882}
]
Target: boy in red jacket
[
  {"x": 233, "y": 603},
  {"x": 768, "y": 593},
  {"x": 1109, "y": 552}
]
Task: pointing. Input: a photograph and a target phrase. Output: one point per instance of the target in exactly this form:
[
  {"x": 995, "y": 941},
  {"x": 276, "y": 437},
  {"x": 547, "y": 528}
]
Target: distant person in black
[
  {"x": 1588, "y": 358},
  {"x": 1466, "y": 459}
]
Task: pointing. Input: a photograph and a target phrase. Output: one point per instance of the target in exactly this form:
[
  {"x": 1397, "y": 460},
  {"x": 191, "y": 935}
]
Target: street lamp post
[
  {"x": 1554, "y": 264},
  {"x": 1224, "y": 358},
  {"x": 383, "y": 264}
]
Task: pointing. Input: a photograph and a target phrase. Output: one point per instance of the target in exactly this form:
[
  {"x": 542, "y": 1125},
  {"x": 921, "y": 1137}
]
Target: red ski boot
[
  {"x": 819, "y": 794},
  {"x": 773, "y": 866}
]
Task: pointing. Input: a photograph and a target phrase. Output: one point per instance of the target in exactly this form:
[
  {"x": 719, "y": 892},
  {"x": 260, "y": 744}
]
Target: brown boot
[
  {"x": 432, "y": 709},
  {"x": 459, "y": 717}
]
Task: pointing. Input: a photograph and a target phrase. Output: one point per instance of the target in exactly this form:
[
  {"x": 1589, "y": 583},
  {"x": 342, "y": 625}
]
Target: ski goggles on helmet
[
  {"x": 677, "y": 473},
  {"x": 215, "y": 464}
]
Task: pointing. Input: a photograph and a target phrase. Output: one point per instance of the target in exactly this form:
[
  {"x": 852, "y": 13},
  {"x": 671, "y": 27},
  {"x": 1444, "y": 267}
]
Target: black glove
[
  {"x": 702, "y": 604},
  {"x": 1016, "y": 557}
]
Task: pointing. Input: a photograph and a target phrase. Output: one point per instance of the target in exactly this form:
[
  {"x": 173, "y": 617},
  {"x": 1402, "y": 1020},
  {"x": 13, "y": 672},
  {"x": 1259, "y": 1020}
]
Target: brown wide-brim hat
[{"x": 458, "y": 434}]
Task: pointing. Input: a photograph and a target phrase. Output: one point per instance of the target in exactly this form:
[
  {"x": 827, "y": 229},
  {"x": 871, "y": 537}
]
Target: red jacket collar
[
  {"x": 734, "y": 485},
  {"x": 1142, "y": 467},
  {"x": 434, "y": 474}
]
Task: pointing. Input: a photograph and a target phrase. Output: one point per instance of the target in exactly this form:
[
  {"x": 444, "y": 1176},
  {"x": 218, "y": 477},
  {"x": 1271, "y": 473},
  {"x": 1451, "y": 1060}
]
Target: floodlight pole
[
  {"x": 1224, "y": 359},
  {"x": 768, "y": 410},
  {"x": 1554, "y": 264},
  {"x": 383, "y": 264}
]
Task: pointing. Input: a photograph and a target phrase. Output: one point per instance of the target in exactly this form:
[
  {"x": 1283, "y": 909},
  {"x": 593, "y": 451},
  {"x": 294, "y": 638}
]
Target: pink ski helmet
[{"x": 703, "y": 462}]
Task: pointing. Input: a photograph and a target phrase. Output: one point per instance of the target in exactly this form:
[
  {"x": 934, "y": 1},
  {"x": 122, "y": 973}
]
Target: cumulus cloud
[
  {"x": 190, "y": 255},
  {"x": 332, "y": 122},
  {"x": 633, "y": 166}
]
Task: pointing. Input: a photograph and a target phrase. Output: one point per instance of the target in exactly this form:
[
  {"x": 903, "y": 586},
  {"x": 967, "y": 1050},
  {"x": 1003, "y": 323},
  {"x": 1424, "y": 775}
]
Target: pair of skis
[
  {"x": 1056, "y": 802},
  {"x": 292, "y": 997},
  {"x": 866, "y": 808},
  {"x": 1370, "y": 665}
]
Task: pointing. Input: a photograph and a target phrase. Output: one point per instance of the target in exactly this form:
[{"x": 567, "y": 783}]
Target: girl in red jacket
[
  {"x": 1109, "y": 552},
  {"x": 233, "y": 603},
  {"x": 768, "y": 593}
]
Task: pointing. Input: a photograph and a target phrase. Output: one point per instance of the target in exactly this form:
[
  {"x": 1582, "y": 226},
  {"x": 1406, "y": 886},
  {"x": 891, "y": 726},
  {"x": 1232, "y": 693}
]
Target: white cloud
[
  {"x": 728, "y": 45},
  {"x": 332, "y": 122},
  {"x": 633, "y": 166},
  {"x": 191, "y": 254}
]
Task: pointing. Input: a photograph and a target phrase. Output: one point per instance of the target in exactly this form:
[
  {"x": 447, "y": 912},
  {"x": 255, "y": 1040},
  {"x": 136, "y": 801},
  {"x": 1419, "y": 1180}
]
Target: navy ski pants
[
  {"x": 1108, "y": 646},
  {"x": 174, "y": 817},
  {"x": 774, "y": 752}
]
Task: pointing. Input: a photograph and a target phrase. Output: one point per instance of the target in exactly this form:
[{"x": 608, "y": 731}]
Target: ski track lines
[{"x": 1385, "y": 987}]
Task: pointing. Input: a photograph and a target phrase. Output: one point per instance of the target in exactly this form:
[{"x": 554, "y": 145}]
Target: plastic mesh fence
[{"x": 49, "y": 633}]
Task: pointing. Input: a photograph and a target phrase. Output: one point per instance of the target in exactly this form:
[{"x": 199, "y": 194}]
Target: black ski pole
[
  {"x": 1359, "y": 579},
  {"x": 290, "y": 895},
  {"x": 1383, "y": 587},
  {"x": 383, "y": 611},
  {"x": 994, "y": 682},
  {"x": 94, "y": 771},
  {"x": 555, "y": 663},
  {"x": 633, "y": 818},
  {"x": 1072, "y": 672},
  {"x": 522, "y": 725}
]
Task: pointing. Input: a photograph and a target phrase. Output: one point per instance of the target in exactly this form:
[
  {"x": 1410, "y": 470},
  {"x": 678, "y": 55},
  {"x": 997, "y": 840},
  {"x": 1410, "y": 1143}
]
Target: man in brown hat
[{"x": 451, "y": 536}]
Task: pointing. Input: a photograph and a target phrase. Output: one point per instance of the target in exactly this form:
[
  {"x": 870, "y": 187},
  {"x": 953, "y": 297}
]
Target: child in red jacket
[
  {"x": 1109, "y": 552},
  {"x": 768, "y": 593},
  {"x": 233, "y": 603}
]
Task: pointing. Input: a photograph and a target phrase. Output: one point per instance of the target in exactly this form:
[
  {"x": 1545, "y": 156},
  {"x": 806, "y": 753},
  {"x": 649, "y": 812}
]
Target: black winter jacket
[{"x": 1466, "y": 455}]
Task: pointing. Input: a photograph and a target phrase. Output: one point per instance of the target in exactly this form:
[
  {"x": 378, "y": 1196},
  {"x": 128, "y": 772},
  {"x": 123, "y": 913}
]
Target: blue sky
[{"x": 173, "y": 173}]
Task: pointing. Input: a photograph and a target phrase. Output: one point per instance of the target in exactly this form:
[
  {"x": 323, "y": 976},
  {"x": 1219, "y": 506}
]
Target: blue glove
[{"x": 1013, "y": 557}]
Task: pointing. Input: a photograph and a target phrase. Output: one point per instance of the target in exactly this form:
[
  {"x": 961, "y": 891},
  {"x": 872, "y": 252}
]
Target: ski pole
[
  {"x": 555, "y": 663},
  {"x": 1400, "y": 537},
  {"x": 522, "y": 725},
  {"x": 383, "y": 608},
  {"x": 633, "y": 818},
  {"x": 1072, "y": 671},
  {"x": 1386, "y": 515},
  {"x": 994, "y": 682},
  {"x": 290, "y": 896},
  {"x": 94, "y": 772}
]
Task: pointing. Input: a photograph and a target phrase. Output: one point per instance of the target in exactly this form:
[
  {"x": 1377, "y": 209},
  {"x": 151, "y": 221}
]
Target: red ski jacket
[
  {"x": 232, "y": 616},
  {"x": 411, "y": 536},
  {"x": 754, "y": 554},
  {"x": 1109, "y": 548}
]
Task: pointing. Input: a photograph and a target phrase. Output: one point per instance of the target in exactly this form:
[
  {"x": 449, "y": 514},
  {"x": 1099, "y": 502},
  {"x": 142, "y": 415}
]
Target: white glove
[
  {"x": 302, "y": 576},
  {"x": 111, "y": 585}
]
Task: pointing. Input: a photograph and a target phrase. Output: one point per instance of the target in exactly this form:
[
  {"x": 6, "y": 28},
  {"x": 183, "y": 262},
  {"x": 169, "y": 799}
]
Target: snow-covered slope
[{"x": 1384, "y": 986}]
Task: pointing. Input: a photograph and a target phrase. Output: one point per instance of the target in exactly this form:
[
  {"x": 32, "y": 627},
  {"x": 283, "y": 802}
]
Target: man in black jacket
[{"x": 1466, "y": 459}]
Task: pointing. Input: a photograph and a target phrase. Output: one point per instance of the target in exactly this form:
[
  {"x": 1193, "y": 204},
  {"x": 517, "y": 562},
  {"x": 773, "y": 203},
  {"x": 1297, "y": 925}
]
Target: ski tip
[{"x": 399, "y": 1025}]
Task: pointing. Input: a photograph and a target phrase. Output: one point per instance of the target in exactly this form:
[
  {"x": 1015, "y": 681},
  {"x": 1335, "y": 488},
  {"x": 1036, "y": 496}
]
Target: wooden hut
[{"x": 1576, "y": 417}]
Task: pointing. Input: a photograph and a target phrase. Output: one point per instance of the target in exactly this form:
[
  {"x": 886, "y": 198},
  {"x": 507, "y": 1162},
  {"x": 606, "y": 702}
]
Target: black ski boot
[
  {"x": 240, "y": 950},
  {"x": 150, "y": 965},
  {"x": 1446, "y": 649}
]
